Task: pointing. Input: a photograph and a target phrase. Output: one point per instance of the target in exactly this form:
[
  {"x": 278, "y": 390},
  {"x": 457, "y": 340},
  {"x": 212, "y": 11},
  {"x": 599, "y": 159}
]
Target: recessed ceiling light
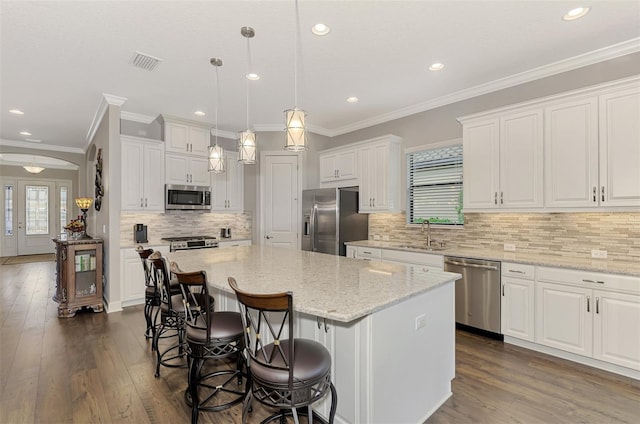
[
  {"x": 320, "y": 29},
  {"x": 199, "y": 113},
  {"x": 16, "y": 112},
  {"x": 25, "y": 133},
  {"x": 576, "y": 13},
  {"x": 436, "y": 66},
  {"x": 352, "y": 99},
  {"x": 252, "y": 76}
]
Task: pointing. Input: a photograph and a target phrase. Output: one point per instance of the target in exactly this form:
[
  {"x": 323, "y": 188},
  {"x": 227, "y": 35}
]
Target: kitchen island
[{"x": 389, "y": 328}]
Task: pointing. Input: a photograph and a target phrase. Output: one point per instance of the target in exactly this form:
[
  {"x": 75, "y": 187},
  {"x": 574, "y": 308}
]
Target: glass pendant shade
[
  {"x": 33, "y": 169},
  {"x": 247, "y": 147},
  {"x": 295, "y": 131},
  {"x": 216, "y": 159}
]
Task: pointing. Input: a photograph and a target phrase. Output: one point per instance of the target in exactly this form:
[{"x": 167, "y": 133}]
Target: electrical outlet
[
  {"x": 385, "y": 238},
  {"x": 421, "y": 321},
  {"x": 376, "y": 237},
  {"x": 510, "y": 247},
  {"x": 599, "y": 254},
  {"x": 104, "y": 228}
]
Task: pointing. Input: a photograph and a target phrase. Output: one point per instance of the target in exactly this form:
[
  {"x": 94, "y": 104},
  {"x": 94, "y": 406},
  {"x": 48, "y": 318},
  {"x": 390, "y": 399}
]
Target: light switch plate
[
  {"x": 385, "y": 238},
  {"x": 510, "y": 247},
  {"x": 599, "y": 254}
]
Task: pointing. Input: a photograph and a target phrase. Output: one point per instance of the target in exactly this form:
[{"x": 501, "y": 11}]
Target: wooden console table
[{"x": 78, "y": 275}]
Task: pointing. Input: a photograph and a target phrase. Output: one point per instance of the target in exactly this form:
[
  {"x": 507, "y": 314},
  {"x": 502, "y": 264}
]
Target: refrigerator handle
[{"x": 314, "y": 215}]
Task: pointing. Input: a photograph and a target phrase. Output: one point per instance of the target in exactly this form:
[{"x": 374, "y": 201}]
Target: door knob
[{"x": 268, "y": 237}]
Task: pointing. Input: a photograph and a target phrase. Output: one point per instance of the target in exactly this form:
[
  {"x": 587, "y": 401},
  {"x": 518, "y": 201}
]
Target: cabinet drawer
[
  {"x": 368, "y": 253},
  {"x": 414, "y": 258},
  {"x": 593, "y": 280},
  {"x": 518, "y": 270}
]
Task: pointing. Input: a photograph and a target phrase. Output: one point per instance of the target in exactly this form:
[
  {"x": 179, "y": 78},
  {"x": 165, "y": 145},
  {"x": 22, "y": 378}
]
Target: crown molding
[
  {"x": 137, "y": 117},
  {"x": 590, "y": 58},
  {"x": 39, "y": 146},
  {"x": 225, "y": 134},
  {"x": 105, "y": 101}
]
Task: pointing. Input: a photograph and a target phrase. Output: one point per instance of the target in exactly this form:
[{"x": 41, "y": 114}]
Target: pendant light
[
  {"x": 247, "y": 141},
  {"x": 295, "y": 130},
  {"x": 33, "y": 168},
  {"x": 216, "y": 153}
]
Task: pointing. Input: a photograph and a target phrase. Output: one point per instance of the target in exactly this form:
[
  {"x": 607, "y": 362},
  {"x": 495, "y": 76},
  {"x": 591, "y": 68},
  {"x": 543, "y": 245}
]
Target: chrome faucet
[{"x": 428, "y": 232}]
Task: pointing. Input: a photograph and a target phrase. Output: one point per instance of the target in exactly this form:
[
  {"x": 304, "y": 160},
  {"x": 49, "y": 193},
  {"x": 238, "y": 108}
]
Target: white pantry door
[
  {"x": 280, "y": 206},
  {"x": 36, "y": 217}
]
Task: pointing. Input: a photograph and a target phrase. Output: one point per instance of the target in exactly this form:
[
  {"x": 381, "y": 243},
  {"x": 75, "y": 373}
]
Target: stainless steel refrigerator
[{"x": 330, "y": 218}]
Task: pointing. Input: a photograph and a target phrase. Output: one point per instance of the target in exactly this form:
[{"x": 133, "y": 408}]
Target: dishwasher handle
[{"x": 466, "y": 265}]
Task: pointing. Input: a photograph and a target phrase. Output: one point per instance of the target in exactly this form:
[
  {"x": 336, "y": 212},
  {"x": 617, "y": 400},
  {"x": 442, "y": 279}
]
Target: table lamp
[{"x": 84, "y": 203}]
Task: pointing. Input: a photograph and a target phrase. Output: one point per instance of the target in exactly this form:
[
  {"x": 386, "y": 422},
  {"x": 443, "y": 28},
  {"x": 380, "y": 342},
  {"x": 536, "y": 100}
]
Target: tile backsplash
[
  {"x": 565, "y": 234},
  {"x": 179, "y": 223}
]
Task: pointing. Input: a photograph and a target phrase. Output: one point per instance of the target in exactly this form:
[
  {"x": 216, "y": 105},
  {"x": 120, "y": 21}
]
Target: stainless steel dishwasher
[{"x": 477, "y": 292}]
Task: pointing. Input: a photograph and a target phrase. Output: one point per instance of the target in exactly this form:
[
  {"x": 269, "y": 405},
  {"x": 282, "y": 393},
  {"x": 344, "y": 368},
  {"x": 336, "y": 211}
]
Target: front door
[
  {"x": 280, "y": 199},
  {"x": 36, "y": 213}
]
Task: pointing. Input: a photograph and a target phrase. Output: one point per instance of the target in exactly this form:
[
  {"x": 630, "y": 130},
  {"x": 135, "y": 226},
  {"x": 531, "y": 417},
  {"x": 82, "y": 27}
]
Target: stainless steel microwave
[{"x": 187, "y": 197}]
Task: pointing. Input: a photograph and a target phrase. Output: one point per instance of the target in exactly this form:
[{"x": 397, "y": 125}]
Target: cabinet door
[
  {"x": 199, "y": 172},
  {"x": 571, "y": 154},
  {"x": 379, "y": 177},
  {"x": 235, "y": 183},
  {"x": 620, "y": 148},
  {"x": 563, "y": 318},
  {"x": 346, "y": 164},
  {"x": 481, "y": 165},
  {"x": 521, "y": 160},
  {"x": 617, "y": 329},
  {"x": 176, "y": 137},
  {"x": 351, "y": 252},
  {"x": 132, "y": 278},
  {"x": 132, "y": 189},
  {"x": 367, "y": 180},
  {"x": 328, "y": 170},
  {"x": 219, "y": 192},
  {"x": 154, "y": 177},
  {"x": 199, "y": 140},
  {"x": 177, "y": 169},
  {"x": 517, "y": 308}
]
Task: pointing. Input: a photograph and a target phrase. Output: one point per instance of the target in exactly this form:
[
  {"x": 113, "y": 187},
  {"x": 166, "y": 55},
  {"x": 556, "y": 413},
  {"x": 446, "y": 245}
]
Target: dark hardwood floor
[{"x": 99, "y": 368}]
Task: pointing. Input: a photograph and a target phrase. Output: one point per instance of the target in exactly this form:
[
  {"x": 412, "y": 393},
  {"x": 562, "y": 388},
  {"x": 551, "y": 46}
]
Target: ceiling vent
[{"x": 144, "y": 61}]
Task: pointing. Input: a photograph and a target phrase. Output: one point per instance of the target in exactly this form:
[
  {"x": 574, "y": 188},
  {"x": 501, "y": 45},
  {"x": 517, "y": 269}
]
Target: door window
[{"x": 37, "y": 210}]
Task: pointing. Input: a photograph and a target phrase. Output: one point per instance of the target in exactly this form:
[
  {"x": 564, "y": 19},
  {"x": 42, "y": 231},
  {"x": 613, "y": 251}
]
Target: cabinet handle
[
  {"x": 595, "y": 194},
  {"x": 141, "y": 202},
  {"x": 326, "y": 327},
  {"x": 318, "y": 322},
  {"x": 603, "y": 193},
  {"x": 516, "y": 271},
  {"x": 495, "y": 197},
  {"x": 338, "y": 173},
  {"x": 593, "y": 281},
  {"x": 503, "y": 290},
  {"x": 588, "y": 304},
  {"x": 369, "y": 201},
  {"x": 145, "y": 202},
  {"x": 502, "y": 198},
  {"x": 597, "y": 305}
]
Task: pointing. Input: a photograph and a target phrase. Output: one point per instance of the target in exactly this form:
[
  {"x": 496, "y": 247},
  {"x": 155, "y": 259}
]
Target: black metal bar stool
[
  {"x": 151, "y": 293},
  {"x": 284, "y": 372},
  {"x": 210, "y": 336},
  {"x": 172, "y": 318}
]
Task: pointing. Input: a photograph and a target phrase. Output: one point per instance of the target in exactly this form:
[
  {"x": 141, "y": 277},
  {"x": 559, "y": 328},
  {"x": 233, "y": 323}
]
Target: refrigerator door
[{"x": 324, "y": 220}]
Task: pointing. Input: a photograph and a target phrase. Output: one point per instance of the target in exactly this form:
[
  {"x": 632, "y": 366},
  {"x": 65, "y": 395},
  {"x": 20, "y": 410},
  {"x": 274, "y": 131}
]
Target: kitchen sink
[{"x": 426, "y": 249}]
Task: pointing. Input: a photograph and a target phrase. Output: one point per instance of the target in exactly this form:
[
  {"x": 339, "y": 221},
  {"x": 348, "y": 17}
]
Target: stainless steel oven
[{"x": 477, "y": 292}]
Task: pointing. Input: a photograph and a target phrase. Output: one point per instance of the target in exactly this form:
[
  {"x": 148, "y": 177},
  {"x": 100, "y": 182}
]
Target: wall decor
[{"x": 99, "y": 187}]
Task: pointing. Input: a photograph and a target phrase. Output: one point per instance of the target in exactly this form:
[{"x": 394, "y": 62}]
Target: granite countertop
[
  {"x": 630, "y": 268},
  {"x": 327, "y": 286}
]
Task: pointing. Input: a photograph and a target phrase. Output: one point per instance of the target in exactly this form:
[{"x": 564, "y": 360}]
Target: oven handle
[{"x": 465, "y": 265}]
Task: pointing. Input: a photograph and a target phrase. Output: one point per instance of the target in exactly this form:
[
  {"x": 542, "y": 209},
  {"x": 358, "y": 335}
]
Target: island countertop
[{"x": 327, "y": 286}]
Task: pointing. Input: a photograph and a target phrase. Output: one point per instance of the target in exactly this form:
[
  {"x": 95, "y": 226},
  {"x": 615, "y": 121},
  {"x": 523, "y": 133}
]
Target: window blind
[{"x": 434, "y": 184}]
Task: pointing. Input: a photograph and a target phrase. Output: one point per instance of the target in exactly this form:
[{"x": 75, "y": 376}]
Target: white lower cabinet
[
  {"x": 589, "y": 314},
  {"x": 517, "y": 301},
  {"x": 368, "y": 253},
  {"x": 132, "y": 276},
  {"x": 352, "y": 252}
]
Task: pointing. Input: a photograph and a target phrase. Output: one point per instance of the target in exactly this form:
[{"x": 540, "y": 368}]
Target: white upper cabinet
[
  {"x": 571, "y": 153},
  {"x": 142, "y": 174},
  {"x": 379, "y": 178},
  {"x": 584, "y": 146},
  {"x": 503, "y": 161},
  {"x": 186, "y": 137},
  {"x": 338, "y": 165},
  {"x": 228, "y": 187},
  {"x": 187, "y": 170},
  {"x": 620, "y": 147}
]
